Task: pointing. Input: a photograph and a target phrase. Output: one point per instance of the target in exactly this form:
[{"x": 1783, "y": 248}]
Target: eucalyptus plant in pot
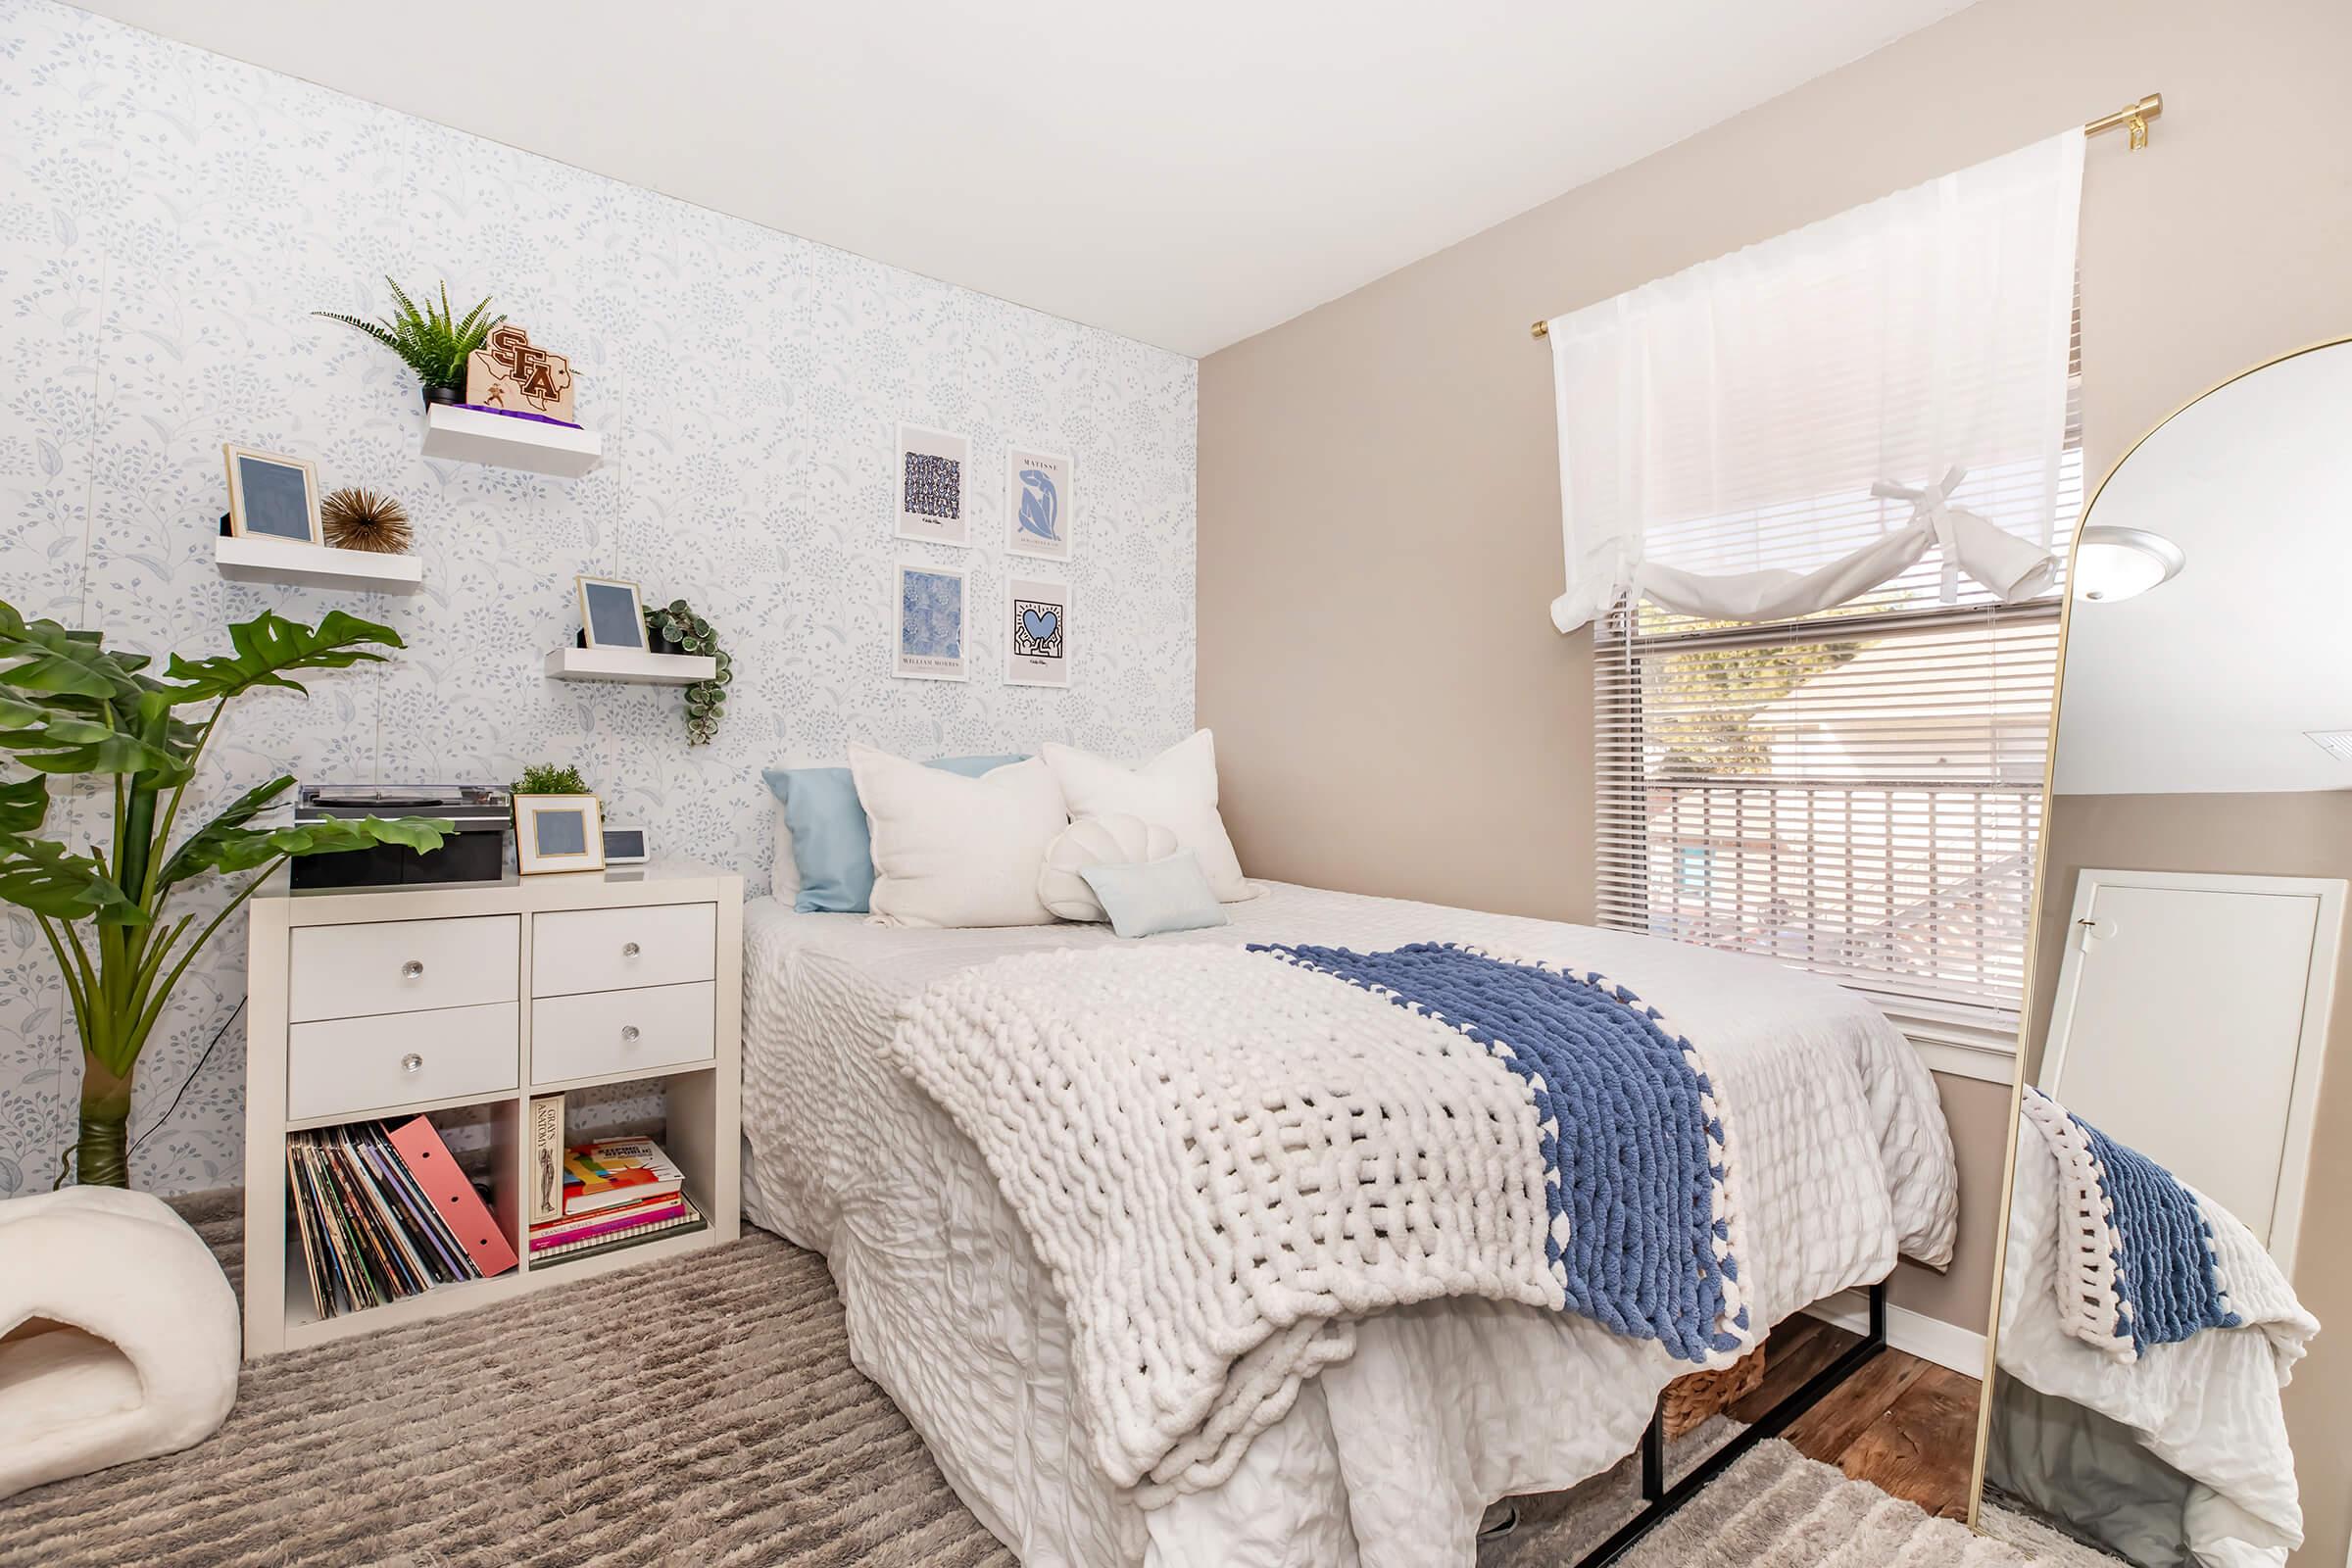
[{"x": 71, "y": 707}]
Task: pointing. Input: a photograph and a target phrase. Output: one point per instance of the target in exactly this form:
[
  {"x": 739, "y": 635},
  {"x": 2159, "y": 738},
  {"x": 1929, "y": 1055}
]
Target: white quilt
[
  {"x": 1384, "y": 1459},
  {"x": 2208, "y": 1405}
]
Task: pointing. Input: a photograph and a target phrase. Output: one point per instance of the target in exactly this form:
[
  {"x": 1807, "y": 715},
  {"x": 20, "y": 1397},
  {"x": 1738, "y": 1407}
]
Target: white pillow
[
  {"x": 950, "y": 850},
  {"x": 1096, "y": 841},
  {"x": 1176, "y": 790}
]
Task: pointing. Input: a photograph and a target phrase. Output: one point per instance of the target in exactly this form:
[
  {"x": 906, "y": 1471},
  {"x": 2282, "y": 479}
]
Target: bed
[{"x": 1387, "y": 1458}]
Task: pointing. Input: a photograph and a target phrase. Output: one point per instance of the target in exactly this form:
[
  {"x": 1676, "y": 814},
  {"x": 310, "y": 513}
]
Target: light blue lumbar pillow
[
  {"x": 1145, "y": 898},
  {"x": 830, "y": 844}
]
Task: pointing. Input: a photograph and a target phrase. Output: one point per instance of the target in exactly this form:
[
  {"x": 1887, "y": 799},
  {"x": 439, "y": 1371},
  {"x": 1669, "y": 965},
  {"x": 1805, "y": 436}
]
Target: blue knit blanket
[
  {"x": 1633, "y": 1141},
  {"x": 2155, "y": 1275}
]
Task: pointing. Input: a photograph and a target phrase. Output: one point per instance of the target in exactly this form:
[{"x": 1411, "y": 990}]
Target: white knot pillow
[{"x": 1113, "y": 840}]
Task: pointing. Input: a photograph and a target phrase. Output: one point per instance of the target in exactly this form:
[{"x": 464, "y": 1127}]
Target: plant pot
[
  {"x": 443, "y": 394},
  {"x": 659, "y": 643}
]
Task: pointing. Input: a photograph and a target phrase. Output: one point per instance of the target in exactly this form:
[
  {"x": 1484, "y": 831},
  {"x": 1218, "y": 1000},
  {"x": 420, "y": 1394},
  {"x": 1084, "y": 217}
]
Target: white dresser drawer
[
  {"x": 605, "y": 1031},
  {"x": 349, "y": 1066},
  {"x": 610, "y": 949},
  {"x": 350, "y": 971}
]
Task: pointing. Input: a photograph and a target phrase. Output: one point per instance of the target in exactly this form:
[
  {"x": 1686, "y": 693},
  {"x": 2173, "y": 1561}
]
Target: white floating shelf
[
  {"x": 630, "y": 664},
  {"x": 471, "y": 435},
  {"x": 251, "y": 558}
]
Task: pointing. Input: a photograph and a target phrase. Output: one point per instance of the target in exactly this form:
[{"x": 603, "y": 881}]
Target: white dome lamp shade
[{"x": 2115, "y": 563}]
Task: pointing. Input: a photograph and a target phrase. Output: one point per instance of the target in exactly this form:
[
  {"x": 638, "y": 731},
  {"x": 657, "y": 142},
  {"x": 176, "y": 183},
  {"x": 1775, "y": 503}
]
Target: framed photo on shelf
[
  {"x": 626, "y": 843},
  {"x": 930, "y": 631},
  {"x": 930, "y": 475},
  {"x": 611, "y": 616},
  {"x": 1037, "y": 632},
  {"x": 557, "y": 833},
  {"x": 1040, "y": 504},
  {"x": 272, "y": 497}
]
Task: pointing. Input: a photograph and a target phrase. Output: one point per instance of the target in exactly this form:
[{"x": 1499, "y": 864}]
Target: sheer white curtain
[{"x": 1781, "y": 430}]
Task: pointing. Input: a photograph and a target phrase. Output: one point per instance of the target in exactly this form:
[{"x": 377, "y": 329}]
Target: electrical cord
[{"x": 186, "y": 1082}]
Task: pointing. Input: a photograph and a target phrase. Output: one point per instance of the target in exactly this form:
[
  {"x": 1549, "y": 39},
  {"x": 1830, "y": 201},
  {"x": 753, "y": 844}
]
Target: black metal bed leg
[{"x": 1660, "y": 1500}]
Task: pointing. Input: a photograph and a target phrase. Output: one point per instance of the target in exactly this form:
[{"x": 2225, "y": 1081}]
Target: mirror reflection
[{"x": 2167, "y": 1222}]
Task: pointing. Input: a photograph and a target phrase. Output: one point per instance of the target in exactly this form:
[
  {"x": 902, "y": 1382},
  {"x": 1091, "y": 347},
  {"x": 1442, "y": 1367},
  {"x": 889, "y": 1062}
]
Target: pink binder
[{"x": 453, "y": 1197}]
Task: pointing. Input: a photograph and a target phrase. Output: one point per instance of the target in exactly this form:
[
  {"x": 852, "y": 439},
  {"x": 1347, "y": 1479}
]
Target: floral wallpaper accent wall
[{"x": 169, "y": 220}]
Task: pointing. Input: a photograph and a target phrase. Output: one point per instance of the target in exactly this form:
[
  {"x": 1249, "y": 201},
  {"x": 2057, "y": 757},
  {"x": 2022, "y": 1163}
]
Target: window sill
[{"x": 1959, "y": 1049}]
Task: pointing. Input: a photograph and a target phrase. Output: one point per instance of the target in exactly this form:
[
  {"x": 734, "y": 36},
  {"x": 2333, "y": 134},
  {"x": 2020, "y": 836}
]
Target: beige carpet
[{"x": 706, "y": 1413}]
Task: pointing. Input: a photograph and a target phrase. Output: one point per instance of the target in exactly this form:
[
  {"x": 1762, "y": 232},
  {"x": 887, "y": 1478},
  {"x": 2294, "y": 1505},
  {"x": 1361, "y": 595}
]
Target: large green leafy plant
[
  {"x": 68, "y": 707},
  {"x": 433, "y": 342}
]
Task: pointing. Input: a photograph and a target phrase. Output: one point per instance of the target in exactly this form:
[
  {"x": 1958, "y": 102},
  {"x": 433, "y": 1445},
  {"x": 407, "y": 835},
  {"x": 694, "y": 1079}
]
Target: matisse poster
[
  {"x": 1037, "y": 641},
  {"x": 933, "y": 634},
  {"x": 1040, "y": 504}
]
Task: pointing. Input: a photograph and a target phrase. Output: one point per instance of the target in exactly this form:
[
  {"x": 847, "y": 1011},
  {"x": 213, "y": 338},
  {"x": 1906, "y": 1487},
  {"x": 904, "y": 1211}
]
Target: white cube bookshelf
[{"x": 366, "y": 1003}]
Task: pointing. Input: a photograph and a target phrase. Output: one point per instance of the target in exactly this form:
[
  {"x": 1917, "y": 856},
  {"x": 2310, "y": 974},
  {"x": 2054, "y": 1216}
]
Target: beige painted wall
[
  {"x": 2302, "y": 834},
  {"x": 1379, "y": 500}
]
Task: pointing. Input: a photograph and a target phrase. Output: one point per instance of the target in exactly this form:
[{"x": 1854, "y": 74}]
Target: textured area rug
[{"x": 706, "y": 1411}]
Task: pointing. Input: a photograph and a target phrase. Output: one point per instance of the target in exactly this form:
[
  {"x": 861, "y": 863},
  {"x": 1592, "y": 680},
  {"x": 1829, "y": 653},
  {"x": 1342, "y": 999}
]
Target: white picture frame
[
  {"x": 557, "y": 833},
  {"x": 1037, "y": 632},
  {"x": 605, "y": 603},
  {"x": 261, "y": 500},
  {"x": 931, "y": 486},
  {"x": 930, "y": 623},
  {"x": 627, "y": 844},
  {"x": 1040, "y": 503}
]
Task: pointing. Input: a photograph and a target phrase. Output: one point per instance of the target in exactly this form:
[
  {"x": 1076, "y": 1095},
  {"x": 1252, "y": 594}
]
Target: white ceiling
[
  {"x": 2210, "y": 681},
  {"x": 1184, "y": 174}
]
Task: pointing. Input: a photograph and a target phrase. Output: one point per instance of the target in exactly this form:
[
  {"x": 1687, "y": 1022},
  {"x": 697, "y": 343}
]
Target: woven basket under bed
[{"x": 1691, "y": 1398}]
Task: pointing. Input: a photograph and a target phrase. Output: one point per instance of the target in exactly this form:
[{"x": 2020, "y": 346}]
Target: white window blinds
[{"x": 1853, "y": 789}]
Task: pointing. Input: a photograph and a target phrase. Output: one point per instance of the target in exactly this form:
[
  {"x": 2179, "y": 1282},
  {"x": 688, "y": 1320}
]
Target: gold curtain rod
[{"x": 2134, "y": 116}]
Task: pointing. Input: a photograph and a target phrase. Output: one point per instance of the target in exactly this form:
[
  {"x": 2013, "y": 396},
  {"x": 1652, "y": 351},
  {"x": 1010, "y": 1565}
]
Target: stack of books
[
  {"x": 617, "y": 1191},
  {"x": 383, "y": 1214}
]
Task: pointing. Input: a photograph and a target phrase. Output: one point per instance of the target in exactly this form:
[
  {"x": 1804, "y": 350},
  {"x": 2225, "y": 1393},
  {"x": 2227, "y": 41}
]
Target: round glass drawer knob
[
  {"x": 413, "y": 970},
  {"x": 631, "y": 950},
  {"x": 628, "y": 1032},
  {"x": 411, "y": 1062}
]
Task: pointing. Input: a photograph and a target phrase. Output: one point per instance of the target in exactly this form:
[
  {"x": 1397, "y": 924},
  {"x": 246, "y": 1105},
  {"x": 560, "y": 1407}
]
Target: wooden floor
[{"x": 1904, "y": 1425}]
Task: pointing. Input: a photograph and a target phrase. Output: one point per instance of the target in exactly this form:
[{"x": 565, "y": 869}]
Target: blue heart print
[{"x": 1040, "y": 627}]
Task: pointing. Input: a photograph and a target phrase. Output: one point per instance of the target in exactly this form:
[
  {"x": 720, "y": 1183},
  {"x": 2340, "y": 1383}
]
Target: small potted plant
[
  {"x": 674, "y": 628},
  {"x": 548, "y": 778},
  {"x": 432, "y": 341}
]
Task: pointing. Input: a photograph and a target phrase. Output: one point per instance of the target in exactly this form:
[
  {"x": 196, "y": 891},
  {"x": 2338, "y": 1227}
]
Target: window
[{"x": 1856, "y": 792}]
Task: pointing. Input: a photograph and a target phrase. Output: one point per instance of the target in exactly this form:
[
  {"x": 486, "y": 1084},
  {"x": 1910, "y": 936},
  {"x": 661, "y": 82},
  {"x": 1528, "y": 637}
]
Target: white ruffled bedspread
[
  {"x": 1386, "y": 1458},
  {"x": 2207, "y": 1405}
]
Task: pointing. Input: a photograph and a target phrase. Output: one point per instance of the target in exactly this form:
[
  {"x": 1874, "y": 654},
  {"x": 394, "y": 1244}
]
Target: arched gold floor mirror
[{"x": 2172, "y": 1211}]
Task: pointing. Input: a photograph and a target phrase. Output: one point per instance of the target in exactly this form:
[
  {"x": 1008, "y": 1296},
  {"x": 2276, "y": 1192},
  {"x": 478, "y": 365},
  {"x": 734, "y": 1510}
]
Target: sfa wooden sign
[{"x": 511, "y": 372}]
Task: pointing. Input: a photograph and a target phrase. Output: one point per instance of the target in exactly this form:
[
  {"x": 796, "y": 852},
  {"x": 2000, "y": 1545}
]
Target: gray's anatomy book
[{"x": 547, "y": 1157}]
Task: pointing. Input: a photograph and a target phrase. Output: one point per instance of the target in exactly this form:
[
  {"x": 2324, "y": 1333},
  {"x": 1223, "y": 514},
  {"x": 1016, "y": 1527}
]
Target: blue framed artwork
[
  {"x": 931, "y": 634},
  {"x": 271, "y": 497},
  {"x": 610, "y": 615},
  {"x": 1040, "y": 504},
  {"x": 1037, "y": 632}
]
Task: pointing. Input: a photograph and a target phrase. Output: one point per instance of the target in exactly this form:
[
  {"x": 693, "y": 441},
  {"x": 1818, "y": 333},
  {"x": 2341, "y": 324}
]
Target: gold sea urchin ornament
[{"x": 362, "y": 519}]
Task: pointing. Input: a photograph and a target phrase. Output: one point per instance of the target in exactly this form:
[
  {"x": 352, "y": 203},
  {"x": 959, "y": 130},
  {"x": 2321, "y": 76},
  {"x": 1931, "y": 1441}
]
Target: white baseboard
[{"x": 1931, "y": 1339}]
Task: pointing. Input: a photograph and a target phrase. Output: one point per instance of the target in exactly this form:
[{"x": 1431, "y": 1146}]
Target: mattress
[{"x": 1385, "y": 1460}]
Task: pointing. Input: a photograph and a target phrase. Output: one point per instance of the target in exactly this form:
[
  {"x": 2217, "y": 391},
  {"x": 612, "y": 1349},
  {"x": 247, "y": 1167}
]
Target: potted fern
[
  {"x": 70, "y": 706},
  {"x": 432, "y": 342}
]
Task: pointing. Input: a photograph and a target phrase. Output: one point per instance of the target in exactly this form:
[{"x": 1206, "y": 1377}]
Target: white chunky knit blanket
[{"x": 1225, "y": 1157}]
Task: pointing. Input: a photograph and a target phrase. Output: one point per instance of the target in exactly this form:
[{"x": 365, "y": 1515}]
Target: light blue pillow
[
  {"x": 1144, "y": 899},
  {"x": 830, "y": 844}
]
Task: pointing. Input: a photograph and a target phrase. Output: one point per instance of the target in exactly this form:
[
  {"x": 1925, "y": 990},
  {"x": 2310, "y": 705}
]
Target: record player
[{"x": 476, "y": 853}]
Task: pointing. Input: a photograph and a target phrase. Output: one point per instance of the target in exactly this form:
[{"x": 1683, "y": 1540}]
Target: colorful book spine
[
  {"x": 685, "y": 1223},
  {"x": 605, "y": 1223}
]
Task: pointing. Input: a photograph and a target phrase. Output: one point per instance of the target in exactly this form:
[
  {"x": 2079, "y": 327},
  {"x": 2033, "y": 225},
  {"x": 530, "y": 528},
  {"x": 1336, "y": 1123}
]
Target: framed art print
[
  {"x": 1037, "y": 636},
  {"x": 931, "y": 471},
  {"x": 932, "y": 632},
  {"x": 271, "y": 497},
  {"x": 1038, "y": 505},
  {"x": 557, "y": 833},
  {"x": 610, "y": 615}
]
